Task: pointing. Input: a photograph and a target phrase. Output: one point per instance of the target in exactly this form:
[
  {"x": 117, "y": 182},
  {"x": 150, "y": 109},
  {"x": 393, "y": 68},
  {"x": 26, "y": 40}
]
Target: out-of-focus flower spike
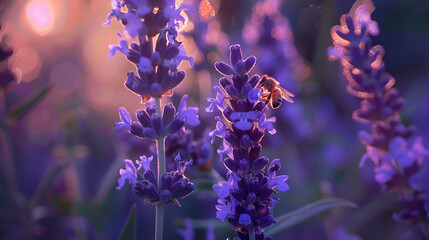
[
  {"x": 210, "y": 234},
  {"x": 396, "y": 161},
  {"x": 188, "y": 232}
]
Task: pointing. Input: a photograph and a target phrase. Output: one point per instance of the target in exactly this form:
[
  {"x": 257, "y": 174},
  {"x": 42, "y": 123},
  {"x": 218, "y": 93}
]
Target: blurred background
[{"x": 60, "y": 153}]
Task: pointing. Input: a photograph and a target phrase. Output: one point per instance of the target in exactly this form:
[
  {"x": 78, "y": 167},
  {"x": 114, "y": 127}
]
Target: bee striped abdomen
[{"x": 276, "y": 98}]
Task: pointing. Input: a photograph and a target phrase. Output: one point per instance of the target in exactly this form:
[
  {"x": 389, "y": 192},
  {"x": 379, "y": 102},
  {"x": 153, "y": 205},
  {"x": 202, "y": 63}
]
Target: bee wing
[{"x": 287, "y": 95}]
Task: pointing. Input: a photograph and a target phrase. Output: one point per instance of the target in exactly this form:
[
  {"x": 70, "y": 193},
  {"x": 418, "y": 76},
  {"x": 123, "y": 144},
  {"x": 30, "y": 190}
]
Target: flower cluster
[
  {"x": 398, "y": 163},
  {"x": 151, "y": 125},
  {"x": 173, "y": 185},
  {"x": 245, "y": 198},
  {"x": 156, "y": 67}
]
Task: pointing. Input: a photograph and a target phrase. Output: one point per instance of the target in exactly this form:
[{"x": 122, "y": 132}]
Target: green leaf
[
  {"x": 25, "y": 107},
  {"x": 129, "y": 232},
  {"x": 300, "y": 215}
]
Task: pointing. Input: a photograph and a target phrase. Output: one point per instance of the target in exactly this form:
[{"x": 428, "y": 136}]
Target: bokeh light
[
  {"x": 40, "y": 14},
  {"x": 26, "y": 64}
]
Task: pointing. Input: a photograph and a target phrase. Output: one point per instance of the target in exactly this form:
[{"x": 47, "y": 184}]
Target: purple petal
[
  {"x": 223, "y": 189},
  {"x": 397, "y": 143},
  {"x": 143, "y": 10},
  {"x": 254, "y": 95},
  {"x": 224, "y": 69},
  {"x": 129, "y": 173},
  {"x": 236, "y": 54},
  {"x": 249, "y": 63},
  {"x": 384, "y": 173},
  {"x": 145, "y": 64},
  {"x": 244, "y": 120},
  {"x": 279, "y": 182},
  {"x": 144, "y": 163},
  {"x": 245, "y": 219},
  {"x": 190, "y": 115},
  {"x": 124, "y": 115},
  {"x": 134, "y": 24}
]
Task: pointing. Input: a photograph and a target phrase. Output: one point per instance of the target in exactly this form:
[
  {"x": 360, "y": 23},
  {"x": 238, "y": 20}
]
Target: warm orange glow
[
  {"x": 303, "y": 71},
  {"x": 379, "y": 51},
  {"x": 356, "y": 71},
  {"x": 336, "y": 38},
  {"x": 40, "y": 15},
  {"x": 206, "y": 10}
]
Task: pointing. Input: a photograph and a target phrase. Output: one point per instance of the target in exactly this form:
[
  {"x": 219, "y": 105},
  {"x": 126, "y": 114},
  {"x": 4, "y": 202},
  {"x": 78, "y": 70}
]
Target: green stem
[
  {"x": 159, "y": 217},
  {"x": 252, "y": 235},
  {"x": 159, "y": 224},
  {"x": 160, "y": 145}
]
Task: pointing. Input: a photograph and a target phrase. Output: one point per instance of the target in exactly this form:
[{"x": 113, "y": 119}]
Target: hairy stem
[{"x": 159, "y": 217}]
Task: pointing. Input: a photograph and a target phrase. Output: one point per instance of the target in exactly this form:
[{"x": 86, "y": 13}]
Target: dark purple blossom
[
  {"x": 398, "y": 164},
  {"x": 245, "y": 198}
]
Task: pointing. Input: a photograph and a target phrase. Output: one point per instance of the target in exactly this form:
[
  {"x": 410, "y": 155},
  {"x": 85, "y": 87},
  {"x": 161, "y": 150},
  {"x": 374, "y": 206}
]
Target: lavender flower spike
[
  {"x": 245, "y": 197},
  {"x": 156, "y": 75},
  {"x": 398, "y": 164}
]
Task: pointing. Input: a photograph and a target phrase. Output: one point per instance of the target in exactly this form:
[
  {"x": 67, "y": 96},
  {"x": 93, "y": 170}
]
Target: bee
[{"x": 272, "y": 92}]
